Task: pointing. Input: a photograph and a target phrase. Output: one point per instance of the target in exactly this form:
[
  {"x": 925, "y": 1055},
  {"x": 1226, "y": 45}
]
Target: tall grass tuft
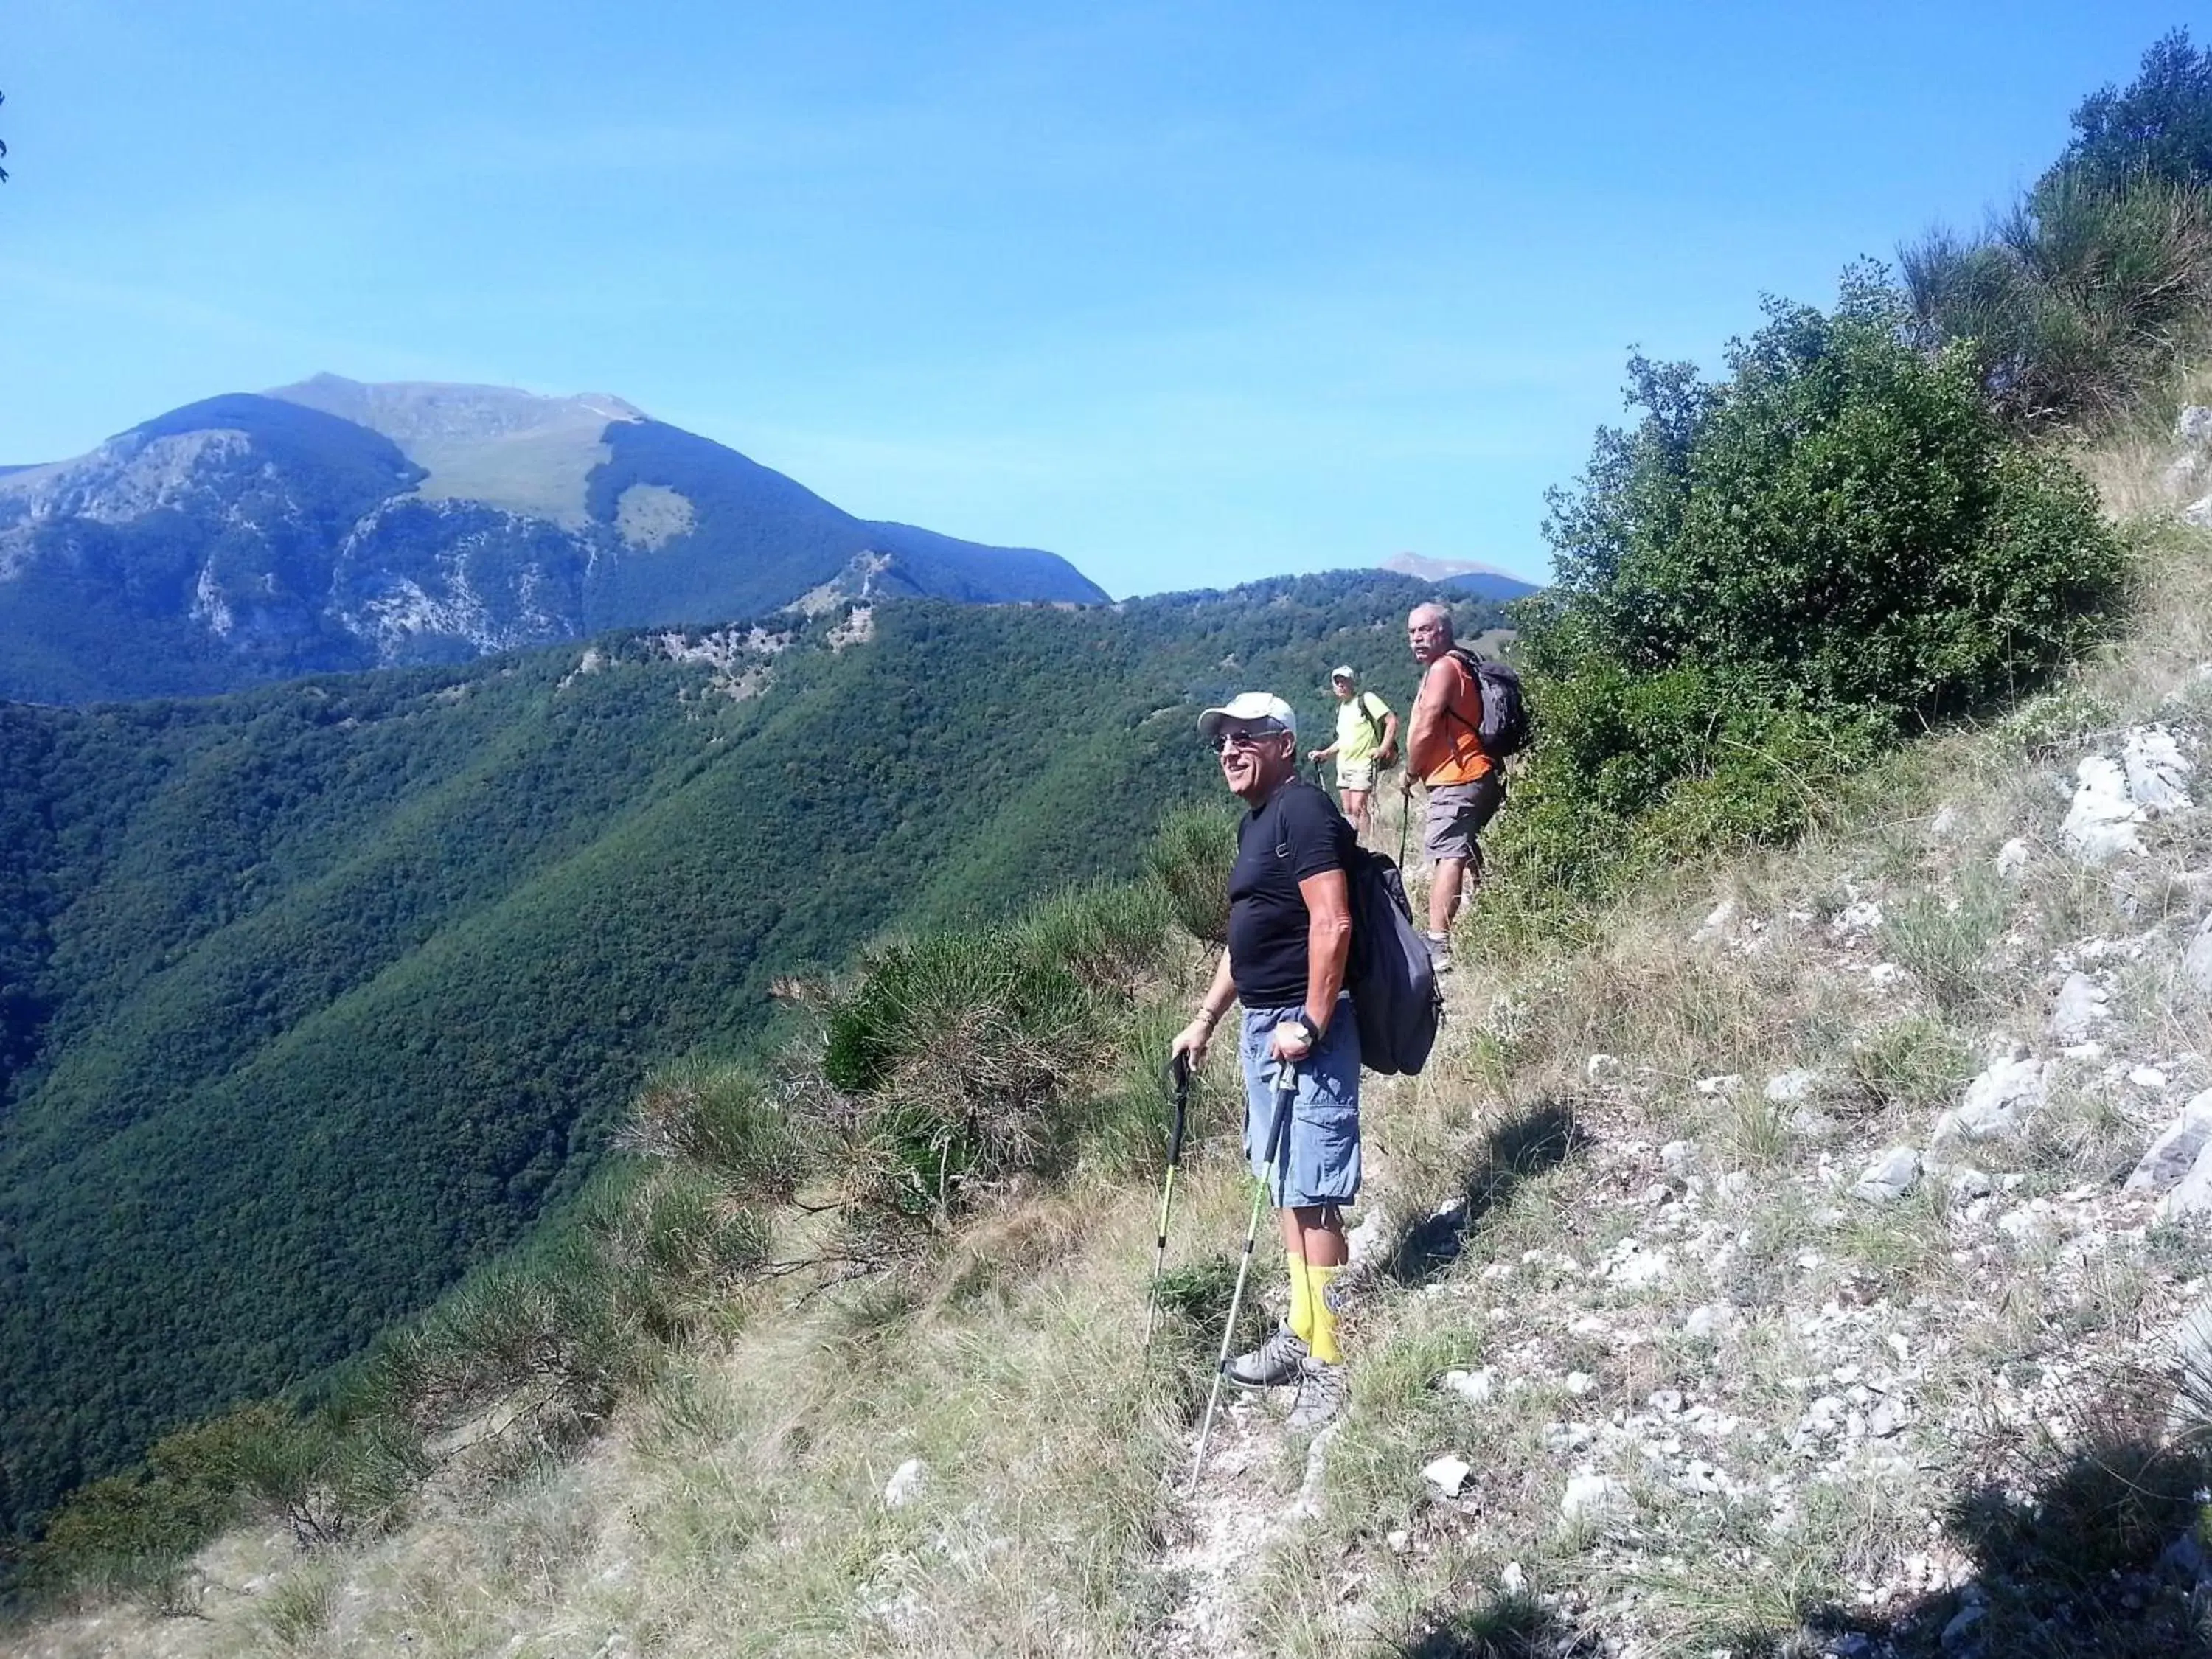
[
  {"x": 2077, "y": 301},
  {"x": 1190, "y": 858}
]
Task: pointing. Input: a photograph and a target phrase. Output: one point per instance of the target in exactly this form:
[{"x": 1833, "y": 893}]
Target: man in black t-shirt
[{"x": 1289, "y": 940}]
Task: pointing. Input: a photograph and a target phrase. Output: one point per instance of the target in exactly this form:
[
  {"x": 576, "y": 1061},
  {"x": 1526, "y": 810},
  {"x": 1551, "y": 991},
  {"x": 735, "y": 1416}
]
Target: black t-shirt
[{"x": 1297, "y": 832}]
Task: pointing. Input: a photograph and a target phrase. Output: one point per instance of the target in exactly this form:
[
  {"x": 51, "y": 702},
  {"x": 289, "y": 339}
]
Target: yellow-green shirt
[{"x": 1359, "y": 734}]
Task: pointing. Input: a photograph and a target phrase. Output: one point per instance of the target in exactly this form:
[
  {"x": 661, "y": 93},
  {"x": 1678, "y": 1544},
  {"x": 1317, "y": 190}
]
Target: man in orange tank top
[{"x": 1444, "y": 751}]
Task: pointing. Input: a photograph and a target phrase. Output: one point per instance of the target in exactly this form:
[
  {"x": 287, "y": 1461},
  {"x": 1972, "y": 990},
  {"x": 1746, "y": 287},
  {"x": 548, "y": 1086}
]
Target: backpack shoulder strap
[{"x": 1471, "y": 665}]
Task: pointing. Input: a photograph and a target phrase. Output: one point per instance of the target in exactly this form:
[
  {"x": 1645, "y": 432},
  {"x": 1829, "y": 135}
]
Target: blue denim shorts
[{"x": 1318, "y": 1162}]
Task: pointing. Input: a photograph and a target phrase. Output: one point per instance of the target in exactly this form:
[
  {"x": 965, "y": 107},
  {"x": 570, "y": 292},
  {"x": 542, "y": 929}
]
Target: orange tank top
[{"x": 1465, "y": 759}]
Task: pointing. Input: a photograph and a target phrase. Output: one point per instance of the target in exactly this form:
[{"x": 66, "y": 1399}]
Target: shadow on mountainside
[
  {"x": 1506, "y": 1627},
  {"x": 2084, "y": 1550},
  {"x": 1538, "y": 1139}
]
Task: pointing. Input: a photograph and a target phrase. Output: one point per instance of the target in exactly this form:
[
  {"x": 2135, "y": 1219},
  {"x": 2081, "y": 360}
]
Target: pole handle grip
[
  {"x": 1179, "y": 1077},
  {"x": 1286, "y": 1091}
]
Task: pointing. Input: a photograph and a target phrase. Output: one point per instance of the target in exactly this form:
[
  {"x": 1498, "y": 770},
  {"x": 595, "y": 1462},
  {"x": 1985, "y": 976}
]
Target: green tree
[{"x": 2159, "y": 126}]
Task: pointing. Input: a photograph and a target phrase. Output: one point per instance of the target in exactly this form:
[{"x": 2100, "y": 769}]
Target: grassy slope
[
  {"x": 737, "y": 1508},
  {"x": 348, "y": 977}
]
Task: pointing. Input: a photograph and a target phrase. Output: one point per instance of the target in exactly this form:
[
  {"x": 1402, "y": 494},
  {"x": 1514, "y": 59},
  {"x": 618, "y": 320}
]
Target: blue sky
[{"x": 1190, "y": 293}]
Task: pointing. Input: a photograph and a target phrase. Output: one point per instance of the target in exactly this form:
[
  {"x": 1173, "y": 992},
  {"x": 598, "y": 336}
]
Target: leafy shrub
[{"x": 1766, "y": 580}]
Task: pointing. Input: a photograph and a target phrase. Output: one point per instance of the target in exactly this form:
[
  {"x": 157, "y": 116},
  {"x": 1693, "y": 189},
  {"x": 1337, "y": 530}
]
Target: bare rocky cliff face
[{"x": 334, "y": 525}]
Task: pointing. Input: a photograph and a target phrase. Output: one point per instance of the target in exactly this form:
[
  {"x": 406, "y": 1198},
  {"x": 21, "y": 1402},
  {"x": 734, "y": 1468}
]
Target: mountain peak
[
  {"x": 1435, "y": 571},
  {"x": 413, "y": 410},
  {"x": 496, "y": 444},
  {"x": 1483, "y": 581}
]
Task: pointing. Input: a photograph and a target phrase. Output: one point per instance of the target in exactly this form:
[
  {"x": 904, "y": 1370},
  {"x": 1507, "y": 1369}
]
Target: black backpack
[
  {"x": 1505, "y": 728},
  {"x": 1395, "y": 996}
]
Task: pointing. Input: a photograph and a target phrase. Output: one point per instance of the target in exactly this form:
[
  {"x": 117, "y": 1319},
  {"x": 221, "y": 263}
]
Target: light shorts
[
  {"x": 1355, "y": 775},
  {"x": 1457, "y": 813},
  {"x": 1318, "y": 1163}
]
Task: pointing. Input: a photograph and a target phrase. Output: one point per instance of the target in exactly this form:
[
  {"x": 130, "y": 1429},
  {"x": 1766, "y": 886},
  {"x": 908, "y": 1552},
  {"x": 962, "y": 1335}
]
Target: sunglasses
[{"x": 1221, "y": 742}]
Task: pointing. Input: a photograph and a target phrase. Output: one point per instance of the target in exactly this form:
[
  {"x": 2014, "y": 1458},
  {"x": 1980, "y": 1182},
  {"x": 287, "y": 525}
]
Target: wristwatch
[{"x": 1305, "y": 1025}]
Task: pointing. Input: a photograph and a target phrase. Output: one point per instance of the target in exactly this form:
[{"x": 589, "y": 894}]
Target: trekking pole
[
  {"x": 1405, "y": 819},
  {"x": 1286, "y": 1089},
  {"x": 1179, "y": 1074}
]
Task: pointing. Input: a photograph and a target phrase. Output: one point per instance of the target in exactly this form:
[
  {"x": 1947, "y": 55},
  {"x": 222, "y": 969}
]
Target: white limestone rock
[
  {"x": 1892, "y": 1175},
  {"x": 1862, "y": 917},
  {"x": 907, "y": 1481},
  {"x": 1593, "y": 1500},
  {"x": 2157, "y": 770},
  {"x": 2100, "y": 823},
  {"x": 2011, "y": 859},
  {"x": 2196, "y": 960},
  {"x": 2192, "y": 1194},
  {"x": 2080, "y": 1008},
  {"x": 2002, "y": 1098},
  {"x": 1474, "y": 1387},
  {"x": 1448, "y": 1474},
  {"x": 1968, "y": 1184},
  {"x": 2171, "y": 1156},
  {"x": 1795, "y": 1084}
]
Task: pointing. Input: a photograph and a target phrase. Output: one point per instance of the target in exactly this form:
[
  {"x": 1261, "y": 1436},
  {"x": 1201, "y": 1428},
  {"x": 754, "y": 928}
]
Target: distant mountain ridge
[
  {"x": 338, "y": 526},
  {"x": 1483, "y": 581}
]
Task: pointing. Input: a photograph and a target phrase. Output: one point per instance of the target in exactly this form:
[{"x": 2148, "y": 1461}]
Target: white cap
[
  {"x": 1249, "y": 706},
  {"x": 1343, "y": 674}
]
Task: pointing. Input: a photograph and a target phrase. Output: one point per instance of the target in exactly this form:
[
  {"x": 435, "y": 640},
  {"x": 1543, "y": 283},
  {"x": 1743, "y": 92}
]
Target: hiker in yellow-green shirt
[{"x": 1366, "y": 743}]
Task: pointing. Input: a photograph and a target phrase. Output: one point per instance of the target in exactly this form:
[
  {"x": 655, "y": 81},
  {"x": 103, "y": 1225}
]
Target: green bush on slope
[{"x": 1768, "y": 579}]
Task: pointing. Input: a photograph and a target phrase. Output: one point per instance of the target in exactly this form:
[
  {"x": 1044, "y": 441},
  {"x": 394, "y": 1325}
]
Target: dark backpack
[
  {"x": 1395, "y": 996},
  {"x": 1505, "y": 728}
]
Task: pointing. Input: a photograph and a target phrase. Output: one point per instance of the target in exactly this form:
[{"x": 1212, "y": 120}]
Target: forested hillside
[{"x": 315, "y": 996}]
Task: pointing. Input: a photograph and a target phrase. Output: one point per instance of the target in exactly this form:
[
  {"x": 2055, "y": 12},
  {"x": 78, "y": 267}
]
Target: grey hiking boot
[
  {"x": 1273, "y": 1362},
  {"x": 1321, "y": 1388},
  {"x": 1439, "y": 951}
]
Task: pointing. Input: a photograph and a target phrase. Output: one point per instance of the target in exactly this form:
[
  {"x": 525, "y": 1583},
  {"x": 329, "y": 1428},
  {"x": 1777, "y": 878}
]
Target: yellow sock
[
  {"x": 1321, "y": 1340},
  {"x": 1300, "y": 1300}
]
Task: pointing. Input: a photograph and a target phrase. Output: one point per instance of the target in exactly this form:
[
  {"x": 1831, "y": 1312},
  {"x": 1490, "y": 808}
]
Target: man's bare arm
[
  {"x": 1193, "y": 1039},
  {"x": 1329, "y": 940}
]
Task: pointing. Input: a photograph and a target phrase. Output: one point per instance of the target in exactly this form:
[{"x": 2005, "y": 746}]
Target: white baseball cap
[
  {"x": 1343, "y": 674},
  {"x": 1249, "y": 706}
]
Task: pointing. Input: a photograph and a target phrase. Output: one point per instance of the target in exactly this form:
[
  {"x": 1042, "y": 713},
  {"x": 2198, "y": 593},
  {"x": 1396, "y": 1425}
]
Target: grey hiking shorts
[
  {"x": 1457, "y": 813},
  {"x": 1318, "y": 1161}
]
